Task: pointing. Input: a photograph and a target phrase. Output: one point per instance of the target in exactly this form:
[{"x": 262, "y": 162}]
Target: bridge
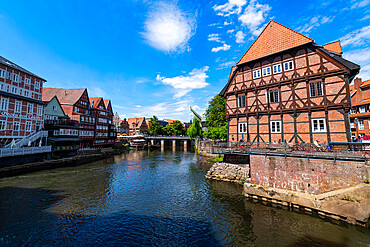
[{"x": 169, "y": 140}]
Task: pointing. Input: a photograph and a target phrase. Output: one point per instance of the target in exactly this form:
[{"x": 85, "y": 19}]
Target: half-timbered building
[
  {"x": 286, "y": 88},
  {"x": 21, "y": 108}
]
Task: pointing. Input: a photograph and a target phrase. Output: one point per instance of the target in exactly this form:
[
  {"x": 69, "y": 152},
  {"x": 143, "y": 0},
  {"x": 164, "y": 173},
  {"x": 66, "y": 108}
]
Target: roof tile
[
  {"x": 65, "y": 96},
  {"x": 334, "y": 47}
]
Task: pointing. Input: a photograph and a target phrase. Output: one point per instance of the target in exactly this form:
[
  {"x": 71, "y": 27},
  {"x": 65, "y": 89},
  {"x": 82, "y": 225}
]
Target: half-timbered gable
[{"x": 287, "y": 88}]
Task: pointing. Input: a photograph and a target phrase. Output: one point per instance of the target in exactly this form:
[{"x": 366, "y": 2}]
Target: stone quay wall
[
  {"x": 229, "y": 172},
  {"x": 313, "y": 176}
]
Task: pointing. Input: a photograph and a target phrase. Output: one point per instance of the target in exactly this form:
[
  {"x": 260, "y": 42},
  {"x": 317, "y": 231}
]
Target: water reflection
[{"x": 151, "y": 198}]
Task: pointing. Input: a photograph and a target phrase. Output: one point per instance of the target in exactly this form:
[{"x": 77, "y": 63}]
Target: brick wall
[{"x": 302, "y": 175}]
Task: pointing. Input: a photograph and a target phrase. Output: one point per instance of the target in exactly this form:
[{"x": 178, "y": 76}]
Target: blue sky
[{"x": 160, "y": 57}]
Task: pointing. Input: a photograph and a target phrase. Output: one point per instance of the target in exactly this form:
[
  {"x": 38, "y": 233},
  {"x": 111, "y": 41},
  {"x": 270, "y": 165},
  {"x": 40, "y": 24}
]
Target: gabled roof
[
  {"x": 137, "y": 120},
  {"x": 65, "y": 96},
  {"x": 56, "y": 98},
  {"x": 273, "y": 39},
  {"x": 365, "y": 83},
  {"x": 106, "y": 103},
  {"x": 334, "y": 47},
  {"x": 96, "y": 101},
  {"x": 9, "y": 63}
]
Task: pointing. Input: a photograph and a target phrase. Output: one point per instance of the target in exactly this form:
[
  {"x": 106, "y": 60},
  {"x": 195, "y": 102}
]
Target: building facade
[
  {"x": 112, "y": 132},
  {"x": 99, "y": 112},
  {"x": 286, "y": 88},
  {"x": 138, "y": 126},
  {"x": 21, "y": 108},
  {"x": 76, "y": 105},
  {"x": 124, "y": 127},
  {"x": 360, "y": 111}
]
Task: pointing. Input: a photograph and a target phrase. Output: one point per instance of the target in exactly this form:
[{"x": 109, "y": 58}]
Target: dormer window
[
  {"x": 266, "y": 71},
  {"x": 256, "y": 74},
  {"x": 362, "y": 109},
  {"x": 288, "y": 66}
]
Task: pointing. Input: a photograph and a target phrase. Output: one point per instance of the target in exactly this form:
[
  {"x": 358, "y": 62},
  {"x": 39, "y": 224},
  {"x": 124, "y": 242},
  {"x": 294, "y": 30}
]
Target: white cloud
[
  {"x": 226, "y": 65},
  {"x": 357, "y": 38},
  {"x": 362, "y": 58},
  {"x": 254, "y": 15},
  {"x": 168, "y": 29},
  {"x": 314, "y": 22},
  {"x": 225, "y": 47},
  {"x": 240, "y": 37},
  {"x": 227, "y": 23},
  {"x": 97, "y": 92},
  {"x": 214, "y": 37},
  {"x": 231, "y": 7},
  {"x": 184, "y": 84},
  {"x": 360, "y": 4},
  {"x": 230, "y": 31},
  {"x": 365, "y": 18},
  {"x": 138, "y": 106}
]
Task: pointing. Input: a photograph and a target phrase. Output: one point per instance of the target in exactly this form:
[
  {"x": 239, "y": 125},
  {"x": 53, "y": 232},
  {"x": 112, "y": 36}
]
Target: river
[{"x": 142, "y": 198}]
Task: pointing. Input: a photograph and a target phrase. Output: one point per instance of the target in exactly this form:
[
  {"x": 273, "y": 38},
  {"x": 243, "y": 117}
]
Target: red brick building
[
  {"x": 287, "y": 88},
  {"x": 360, "y": 94},
  {"x": 137, "y": 126},
  {"x": 112, "y": 133},
  {"x": 76, "y": 104},
  {"x": 21, "y": 108},
  {"x": 100, "y": 113}
]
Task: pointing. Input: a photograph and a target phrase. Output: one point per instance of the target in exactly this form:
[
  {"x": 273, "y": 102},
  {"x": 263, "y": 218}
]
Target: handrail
[{"x": 6, "y": 152}]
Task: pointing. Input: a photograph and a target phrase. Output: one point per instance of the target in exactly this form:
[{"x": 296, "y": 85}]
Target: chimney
[{"x": 358, "y": 83}]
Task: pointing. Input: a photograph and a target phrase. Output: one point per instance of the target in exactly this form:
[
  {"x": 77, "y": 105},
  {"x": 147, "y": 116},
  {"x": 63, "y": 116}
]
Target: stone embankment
[{"x": 228, "y": 172}]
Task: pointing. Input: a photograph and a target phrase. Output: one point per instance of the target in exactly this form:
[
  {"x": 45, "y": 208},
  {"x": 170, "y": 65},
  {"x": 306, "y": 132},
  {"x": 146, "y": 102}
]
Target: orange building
[
  {"x": 137, "y": 126},
  {"x": 286, "y": 88},
  {"x": 360, "y": 95}
]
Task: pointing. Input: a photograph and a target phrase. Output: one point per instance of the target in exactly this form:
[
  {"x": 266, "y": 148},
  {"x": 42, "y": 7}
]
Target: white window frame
[
  {"x": 39, "y": 110},
  {"x": 319, "y": 130},
  {"x": 27, "y": 81},
  {"x": 241, "y": 101},
  {"x": 37, "y": 84},
  {"x": 17, "y": 124},
  {"x": 2, "y": 73},
  {"x": 256, "y": 74},
  {"x": 2, "y": 125},
  {"x": 29, "y": 106},
  {"x": 242, "y": 128},
  {"x": 287, "y": 66},
  {"x": 54, "y": 108},
  {"x": 4, "y": 104},
  {"x": 275, "y": 126},
  {"x": 18, "y": 106},
  {"x": 28, "y": 126},
  {"x": 361, "y": 124},
  {"x": 352, "y": 125},
  {"x": 277, "y": 68},
  {"x": 353, "y": 111},
  {"x": 266, "y": 71},
  {"x": 362, "y": 109}
]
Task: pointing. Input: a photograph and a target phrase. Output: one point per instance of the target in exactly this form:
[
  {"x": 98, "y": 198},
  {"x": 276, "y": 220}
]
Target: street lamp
[{"x": 356, "y": 122}]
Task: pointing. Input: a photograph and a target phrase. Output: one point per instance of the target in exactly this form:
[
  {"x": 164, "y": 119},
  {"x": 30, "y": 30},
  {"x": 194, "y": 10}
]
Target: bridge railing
[{"x": 348, "y": 150}]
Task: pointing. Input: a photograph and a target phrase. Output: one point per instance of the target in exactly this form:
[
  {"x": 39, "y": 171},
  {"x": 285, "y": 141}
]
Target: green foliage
[
  {"x": 195, "y": 130},
  {"x": 366, "y": 181},
  {"x": 168, "y": 130},
  {"x": 178, "y": 128},
  {"x": 154, "y": 127},
  {"x": 219, "y": 158},
  {"x": 215, "y": 113},
  {"x": 216, "y": 132}
]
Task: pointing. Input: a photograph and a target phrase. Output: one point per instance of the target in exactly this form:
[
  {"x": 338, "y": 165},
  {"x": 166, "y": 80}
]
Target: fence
[
  {"x": 353, "y": 151},
  {"x": 6, "y": 152}
]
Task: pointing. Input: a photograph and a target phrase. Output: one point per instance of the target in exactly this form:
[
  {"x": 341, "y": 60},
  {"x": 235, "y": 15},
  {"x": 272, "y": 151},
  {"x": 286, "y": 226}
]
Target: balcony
[{"x": 71, "y": 123}]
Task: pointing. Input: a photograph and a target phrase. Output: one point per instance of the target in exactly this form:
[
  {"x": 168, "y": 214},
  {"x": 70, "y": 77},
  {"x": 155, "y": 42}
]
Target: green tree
[
  {"x": 216, "y": 132},
  {"x": 215, "y": 113},
  {"x": 178, "y": 127},
  {"x": 168, "y": 130},
  {"x": 154, "y": 127},
  {"x": 195, "y": 130}
]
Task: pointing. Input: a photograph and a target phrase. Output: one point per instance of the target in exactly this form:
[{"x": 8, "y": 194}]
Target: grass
[{"x": 219, "y": 158}]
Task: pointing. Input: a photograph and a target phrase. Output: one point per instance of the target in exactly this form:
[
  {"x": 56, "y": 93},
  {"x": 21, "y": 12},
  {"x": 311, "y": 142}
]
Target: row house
[
  {"x": 360, "y": 111},
  {"x": 63, "y": 133},
  {"x": 286, "y": 88},
  {"x": 21, "y": 107},
  {"x": 138, "y": 126},
  {"x": 124, "y": 127},
  {"x": 100, "y": 113},
  {"x": 76, "y": 105},
  {"x": 112, "y": 132}
]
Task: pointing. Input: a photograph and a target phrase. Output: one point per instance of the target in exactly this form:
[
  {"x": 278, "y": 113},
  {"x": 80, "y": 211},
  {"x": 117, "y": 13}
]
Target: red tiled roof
[
  {"x": 96, "y": 101},
  {"x": 106, "y": 102},
  {"x": 169, "y": 121},
  {"x": 334, "y": 47},
  {"x": 137, "y": 120},
  {"x": 274, "y": 38},
  {"x": 65, "y": 96},
  {"x": 365, "y": 83},
  {"x": 232, "y": 71}
]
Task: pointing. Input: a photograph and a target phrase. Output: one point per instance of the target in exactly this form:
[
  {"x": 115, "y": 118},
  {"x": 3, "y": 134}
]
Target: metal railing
[
  {"x": 353, "y": 151},
  {"x": 30, "y": 138},
  {"x": 6, "y": 152},
  {"x": 51, "y": 122}
]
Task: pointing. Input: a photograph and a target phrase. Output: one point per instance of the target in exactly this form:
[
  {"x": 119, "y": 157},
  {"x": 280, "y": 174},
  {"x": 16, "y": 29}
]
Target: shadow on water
[{"x": 26, "y": 221}]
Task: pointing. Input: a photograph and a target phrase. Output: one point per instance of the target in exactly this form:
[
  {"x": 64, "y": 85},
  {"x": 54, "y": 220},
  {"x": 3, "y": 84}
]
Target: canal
[{"x": 142, "y": 198}]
